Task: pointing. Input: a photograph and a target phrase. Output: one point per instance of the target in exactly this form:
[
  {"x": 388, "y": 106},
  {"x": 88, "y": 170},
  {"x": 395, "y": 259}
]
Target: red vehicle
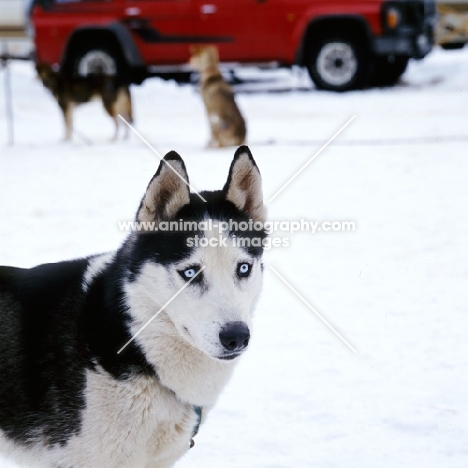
[{"x": 345, "y": 44}]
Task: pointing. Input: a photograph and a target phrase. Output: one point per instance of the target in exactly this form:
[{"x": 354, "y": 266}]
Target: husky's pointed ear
[
  {"x": 244, "y": 185},
  {"x": 167, "y": 191}
]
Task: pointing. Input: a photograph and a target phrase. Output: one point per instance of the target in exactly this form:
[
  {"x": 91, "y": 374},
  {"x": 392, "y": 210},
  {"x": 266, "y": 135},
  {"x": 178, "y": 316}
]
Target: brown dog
[
  {"x": 69, "y": 92},
  {"x": 226, "y": 122}
]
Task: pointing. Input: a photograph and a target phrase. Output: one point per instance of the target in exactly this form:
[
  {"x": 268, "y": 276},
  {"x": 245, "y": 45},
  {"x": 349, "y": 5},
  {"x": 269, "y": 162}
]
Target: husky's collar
[{"x": 198, "y": 411}]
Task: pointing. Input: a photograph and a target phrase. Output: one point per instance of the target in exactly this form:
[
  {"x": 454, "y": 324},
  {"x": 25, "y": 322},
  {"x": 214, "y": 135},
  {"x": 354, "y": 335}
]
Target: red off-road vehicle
[{"x": 345, "y": 44}]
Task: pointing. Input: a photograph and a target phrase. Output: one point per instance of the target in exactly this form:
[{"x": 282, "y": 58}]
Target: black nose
[{"x": 235, "y": 336}]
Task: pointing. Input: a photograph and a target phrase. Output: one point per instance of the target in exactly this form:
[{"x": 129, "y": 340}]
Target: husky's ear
[
  {"x": 167, "y": 191},
  {"x": 244, "y": 185}
]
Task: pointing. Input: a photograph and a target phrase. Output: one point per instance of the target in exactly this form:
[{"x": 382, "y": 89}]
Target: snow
[{"x": 395, "y": 288}]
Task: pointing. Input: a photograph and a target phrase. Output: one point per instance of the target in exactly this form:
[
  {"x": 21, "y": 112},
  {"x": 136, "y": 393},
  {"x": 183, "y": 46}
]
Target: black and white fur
[{"x": 67, "y": 399}]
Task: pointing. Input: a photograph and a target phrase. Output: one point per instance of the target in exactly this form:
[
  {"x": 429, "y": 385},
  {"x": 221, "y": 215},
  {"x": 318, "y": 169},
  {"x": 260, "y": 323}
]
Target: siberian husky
[
  {"x": 70, "y": 397},
  {"x": 226, "y": 122},
  {"x": 72, "y": 91}
]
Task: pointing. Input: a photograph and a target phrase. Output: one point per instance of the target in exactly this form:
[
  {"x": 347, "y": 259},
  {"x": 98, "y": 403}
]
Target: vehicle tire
[
  {"x": 100, "y": 61},
  {"x": 387, "y": 70},
  {"x": 453, "y": 45},
  {"x": 339, "y": 62}
]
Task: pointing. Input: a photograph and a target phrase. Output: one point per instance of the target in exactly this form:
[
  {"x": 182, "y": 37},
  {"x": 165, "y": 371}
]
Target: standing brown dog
[
  {"x": 69, "y": 92},
  {"x": 226, "y": 121}
]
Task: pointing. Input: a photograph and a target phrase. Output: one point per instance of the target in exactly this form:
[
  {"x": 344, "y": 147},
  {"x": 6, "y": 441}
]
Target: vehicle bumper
[{"x": 413, "y": 44}]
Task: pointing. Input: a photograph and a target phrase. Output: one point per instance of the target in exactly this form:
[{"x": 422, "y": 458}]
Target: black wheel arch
[
  {"x": 114, "y": 37},
  {"x": 325, "y": 25}
]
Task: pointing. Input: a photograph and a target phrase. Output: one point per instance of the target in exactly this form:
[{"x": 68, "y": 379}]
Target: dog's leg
[
  {"x": 109, "y": 101},
  {"x": 118, "y": 101},
  {"x": 67, "y": 110},
  {"x": 214, "y": 139},
  {"x": 124, "y": 108},
  {"x": 129, "y": 112},
  {"x": 116, "y": 133}
]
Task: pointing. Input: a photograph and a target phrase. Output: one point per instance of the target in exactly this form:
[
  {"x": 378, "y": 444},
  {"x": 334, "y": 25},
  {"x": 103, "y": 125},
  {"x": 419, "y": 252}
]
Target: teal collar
[{"x": 198, "y": 411}]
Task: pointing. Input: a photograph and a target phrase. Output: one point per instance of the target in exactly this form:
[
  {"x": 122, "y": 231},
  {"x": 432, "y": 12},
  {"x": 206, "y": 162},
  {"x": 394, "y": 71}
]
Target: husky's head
[{"x": 214, "y": 245}]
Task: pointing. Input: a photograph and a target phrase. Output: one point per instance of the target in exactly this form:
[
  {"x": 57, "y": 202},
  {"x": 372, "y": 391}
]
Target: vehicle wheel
[
  {"x": 453, "y": 45},
  {"x": 99, "y": 61},
  {"x": 387, "y": 70},
  {"x": 338, "y": 63}
]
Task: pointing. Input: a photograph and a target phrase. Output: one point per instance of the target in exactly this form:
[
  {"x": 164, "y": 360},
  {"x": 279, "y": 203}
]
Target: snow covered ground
[{"x": 396, "y": 288}]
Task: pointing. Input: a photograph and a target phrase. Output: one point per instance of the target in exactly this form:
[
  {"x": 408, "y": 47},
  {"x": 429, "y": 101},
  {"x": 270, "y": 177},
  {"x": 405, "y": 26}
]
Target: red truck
[{"x": 345, "y": 44}]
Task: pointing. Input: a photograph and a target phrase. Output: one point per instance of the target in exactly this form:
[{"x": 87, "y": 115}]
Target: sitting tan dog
[{"x": 226, "y": 122}]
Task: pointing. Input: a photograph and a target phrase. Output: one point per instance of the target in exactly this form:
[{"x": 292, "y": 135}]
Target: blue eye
[
  {"x": 191, "y": 272},
  {"x": 244, "y": 269}
]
